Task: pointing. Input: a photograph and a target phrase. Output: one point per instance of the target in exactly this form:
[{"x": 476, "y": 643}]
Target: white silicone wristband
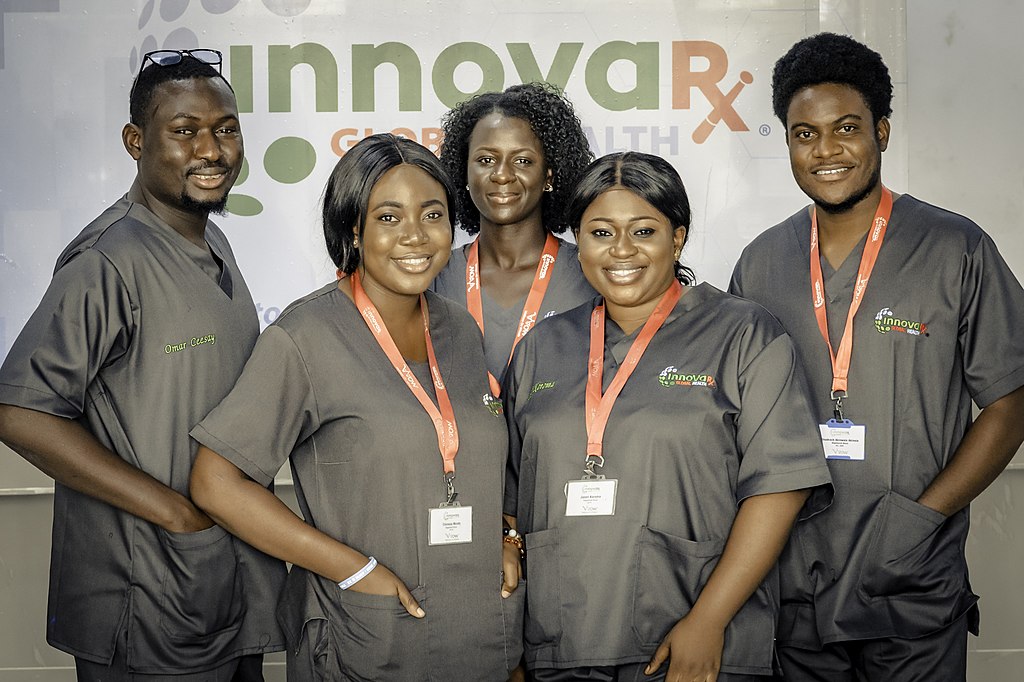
[{"x": 358, "y": 575}]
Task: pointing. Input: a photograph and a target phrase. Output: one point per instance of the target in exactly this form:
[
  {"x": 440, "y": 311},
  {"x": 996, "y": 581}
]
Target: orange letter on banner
[
  {"x": 337, "y": 137},
  {"x": 684, "y": 79},
  {"x": 431, "y": 139}
]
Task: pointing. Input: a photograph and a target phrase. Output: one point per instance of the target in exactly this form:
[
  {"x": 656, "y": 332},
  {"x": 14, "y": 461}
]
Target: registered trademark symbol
[{"x": 765, "y": 129}]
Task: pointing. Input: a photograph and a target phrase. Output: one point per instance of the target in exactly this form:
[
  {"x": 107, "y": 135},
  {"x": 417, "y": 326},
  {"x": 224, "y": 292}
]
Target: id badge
[
  {"x": 842, "y": 439},
  {"x": 590, "y": 497},
  {"x": 450, "y": 525}
]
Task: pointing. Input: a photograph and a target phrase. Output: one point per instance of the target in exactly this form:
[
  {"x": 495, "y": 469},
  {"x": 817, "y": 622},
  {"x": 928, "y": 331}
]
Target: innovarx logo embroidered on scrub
[
  {"x": 493, "y": 405},
  {"x": 886, "y": 321},
  {"x": 670, "y": 376}
]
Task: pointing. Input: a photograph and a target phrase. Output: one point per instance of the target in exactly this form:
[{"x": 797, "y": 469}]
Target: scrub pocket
[
  {"x": 512, "y": 620},
  {"x": 671, "y": 572},
  {"x": 544, "y": 590},
  {"x": 913, "y": 554},
  {"x": 314, "y": 659},
  {"x": 375, "y": 637},
  {"x": 202, "y": 588}
]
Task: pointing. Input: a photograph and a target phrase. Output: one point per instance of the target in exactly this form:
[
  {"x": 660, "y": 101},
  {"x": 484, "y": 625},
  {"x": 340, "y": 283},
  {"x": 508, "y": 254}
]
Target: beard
[
  {"x": 216, "y": 206},
  {"x": 849, "y": 202}
]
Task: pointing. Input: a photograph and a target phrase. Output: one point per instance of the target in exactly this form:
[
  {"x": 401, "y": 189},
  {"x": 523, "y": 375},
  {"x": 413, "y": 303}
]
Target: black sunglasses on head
[{"x": 172, "y": 57}]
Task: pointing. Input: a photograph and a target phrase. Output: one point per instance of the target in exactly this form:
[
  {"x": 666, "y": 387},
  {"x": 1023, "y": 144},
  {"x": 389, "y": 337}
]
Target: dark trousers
[{"x": 938, "y": 657}]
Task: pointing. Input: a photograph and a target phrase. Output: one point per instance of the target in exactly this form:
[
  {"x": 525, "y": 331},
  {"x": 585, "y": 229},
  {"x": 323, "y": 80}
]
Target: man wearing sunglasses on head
[{"x": 144, "y": 328}]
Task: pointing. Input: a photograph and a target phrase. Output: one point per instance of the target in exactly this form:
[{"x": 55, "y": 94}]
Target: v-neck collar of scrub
[
  {"x": 195, "y": 253},
  {"x": 847, "y": 270},
  {"x": 511, "y": 314},
  {"x": 440, "y": 336},
  {"x": 504, "y": 313},
  {"x": 846, "y": 273},
  {"x": 617, "y": 343}
]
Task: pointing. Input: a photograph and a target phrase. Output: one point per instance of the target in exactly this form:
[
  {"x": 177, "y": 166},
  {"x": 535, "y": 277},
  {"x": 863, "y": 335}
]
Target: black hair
[
  {"x": 832, "y": 58},
  {"x": 353, "y": 178},
  {"x": 154, "y": 75},
  {"x": 554, "y": 122},
  {"x": 650, "y": 177}
]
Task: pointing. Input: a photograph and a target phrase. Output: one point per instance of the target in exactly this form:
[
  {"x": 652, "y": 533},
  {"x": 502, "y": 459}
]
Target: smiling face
[
  {"x": 189, "y": 151},
  {"x": 628, "y": 250},
  {"x": 835, "y": 148},
  {"x": 506, "y": 171},
  {"x": 406, "y": 235}
]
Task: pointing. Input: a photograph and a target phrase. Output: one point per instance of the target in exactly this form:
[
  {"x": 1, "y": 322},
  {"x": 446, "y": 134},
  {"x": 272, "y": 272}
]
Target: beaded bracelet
[{"x": 512, "y": 537}]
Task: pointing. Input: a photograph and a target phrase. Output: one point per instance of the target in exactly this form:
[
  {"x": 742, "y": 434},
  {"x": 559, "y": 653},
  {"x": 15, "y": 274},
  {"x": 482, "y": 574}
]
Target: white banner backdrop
[{"x": 687, "y": 80}]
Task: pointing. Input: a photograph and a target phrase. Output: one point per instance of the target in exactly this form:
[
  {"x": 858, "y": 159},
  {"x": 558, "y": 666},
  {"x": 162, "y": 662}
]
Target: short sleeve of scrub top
[{"x": 83, "y": 322}]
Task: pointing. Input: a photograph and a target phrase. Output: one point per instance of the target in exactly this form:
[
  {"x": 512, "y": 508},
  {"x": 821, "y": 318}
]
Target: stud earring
[
  {"x": 467, "y": 187},
  {"x": 549, "y": 187}
]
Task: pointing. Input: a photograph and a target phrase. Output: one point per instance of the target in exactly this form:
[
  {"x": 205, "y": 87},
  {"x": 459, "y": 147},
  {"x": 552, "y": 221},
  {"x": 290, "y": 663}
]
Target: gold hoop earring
[{"x": 549, "y": 187}]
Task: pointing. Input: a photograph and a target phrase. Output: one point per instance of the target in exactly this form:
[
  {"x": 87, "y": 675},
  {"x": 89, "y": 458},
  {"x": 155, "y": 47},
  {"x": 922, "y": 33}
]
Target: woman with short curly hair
[{"x": 514, "y": 156}]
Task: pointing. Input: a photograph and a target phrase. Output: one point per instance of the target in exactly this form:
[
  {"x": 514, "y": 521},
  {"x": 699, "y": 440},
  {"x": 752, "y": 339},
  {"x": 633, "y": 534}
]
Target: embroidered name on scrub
[
  {"x": 594, "y": 495},
  {"x": 842, "y": 439}
]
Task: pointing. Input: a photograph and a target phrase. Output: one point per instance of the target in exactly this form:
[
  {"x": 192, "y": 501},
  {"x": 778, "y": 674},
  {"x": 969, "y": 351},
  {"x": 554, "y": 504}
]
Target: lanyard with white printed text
[
  {"x": 841, "y": 360},
  {"x": 541, "y": 279},
  {"x": 442, "y": 415},
  {"x": 598, "y": 406}
]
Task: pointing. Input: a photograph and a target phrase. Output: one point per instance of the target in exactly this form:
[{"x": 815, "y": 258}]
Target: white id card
[
  {"x": 842, "y": 439},
  {"x": 590, "y": 497},
  {"x": 450, "y": 525}
]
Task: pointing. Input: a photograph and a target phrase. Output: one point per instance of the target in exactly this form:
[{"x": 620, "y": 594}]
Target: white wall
[{"x": 966, "y": 153}]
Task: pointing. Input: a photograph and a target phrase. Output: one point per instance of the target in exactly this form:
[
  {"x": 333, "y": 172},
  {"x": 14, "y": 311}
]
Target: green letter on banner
[
  {"x": 281, "y": 59},
  {"x": 561, "y": 67},
  {"x": 241, "y": 76},
  {"x": 644, "y": 94},
  {"x": 443, "y": 75},
  {"x": 366, "y": 59}
]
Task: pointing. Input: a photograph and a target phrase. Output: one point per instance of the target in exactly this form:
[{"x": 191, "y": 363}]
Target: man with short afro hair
[
  {"x": 903, "y": 314},
  {"x": 832, "y": 58}
]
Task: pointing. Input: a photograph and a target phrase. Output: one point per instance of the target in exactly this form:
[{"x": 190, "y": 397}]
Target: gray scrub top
[
  {"x": 366, "y": 465},
  {"x": 138, "y": 340},
  {"x": 715, "y": 411},
  {"x": 877, "y": 563},
  {"x": 567, "y": 289}
]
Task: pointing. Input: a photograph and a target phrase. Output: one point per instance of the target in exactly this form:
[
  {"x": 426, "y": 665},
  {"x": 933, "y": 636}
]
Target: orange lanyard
[
  {"x": 841, "y": 360},
  {"x": 541, "y": 279},
  {"x": 598, "y": 406},
  {"x": 442, "y": 414}
]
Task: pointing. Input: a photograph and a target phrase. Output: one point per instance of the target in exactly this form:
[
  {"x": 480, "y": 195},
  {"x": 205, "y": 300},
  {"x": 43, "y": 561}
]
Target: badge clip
[
  {"x": 450, "y": 494},
  {"x": 593, "y": 461},
  {"x": 837, "y": 409}
]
